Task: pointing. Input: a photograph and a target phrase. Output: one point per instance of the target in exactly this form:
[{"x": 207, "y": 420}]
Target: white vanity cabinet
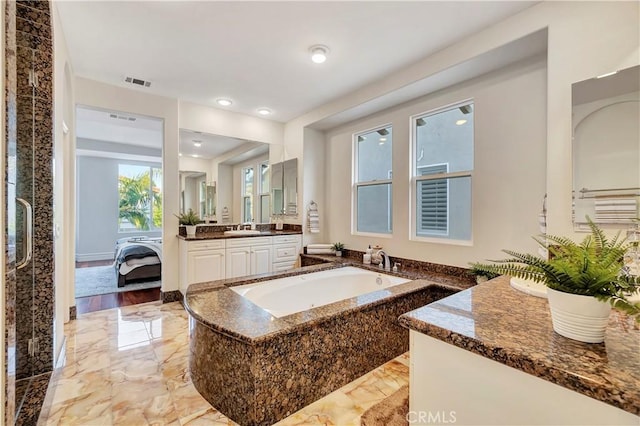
[
  {"x": 286, "y": 249},
  {"x": 248, "y": 256},
  {"x": 201, "y": 261}
]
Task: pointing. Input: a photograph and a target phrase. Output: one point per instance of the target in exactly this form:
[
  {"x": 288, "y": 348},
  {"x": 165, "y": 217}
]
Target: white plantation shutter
[{"x": 433, "y": 201}]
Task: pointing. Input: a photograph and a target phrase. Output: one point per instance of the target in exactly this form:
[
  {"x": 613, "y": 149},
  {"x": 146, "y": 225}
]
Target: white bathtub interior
[{"x": 286, "y": 296}]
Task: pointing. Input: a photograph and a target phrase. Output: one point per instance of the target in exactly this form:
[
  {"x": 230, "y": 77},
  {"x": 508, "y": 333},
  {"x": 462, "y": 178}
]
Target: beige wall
[
  {"x": 508, "y": 182},
  {"x": 64, "y": 177},
  {"x": 584, "y": 39}
]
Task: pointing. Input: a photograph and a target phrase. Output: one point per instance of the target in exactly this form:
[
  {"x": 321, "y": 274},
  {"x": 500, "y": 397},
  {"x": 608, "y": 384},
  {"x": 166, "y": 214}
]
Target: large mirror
[
  {"x": 606, "y": 147},
  {"x": 284, "y": 187},
  {"x": 224, "y": 179}
]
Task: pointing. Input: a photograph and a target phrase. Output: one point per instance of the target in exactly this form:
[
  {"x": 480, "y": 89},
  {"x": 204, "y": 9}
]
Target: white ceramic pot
[
  {"x": 339, "y": 253},
  {"x": 191, "y": 229},
  {"x": 582, "y": 318}
]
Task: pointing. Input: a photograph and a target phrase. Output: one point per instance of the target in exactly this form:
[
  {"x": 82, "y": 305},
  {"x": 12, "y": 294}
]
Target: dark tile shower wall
[
  {"x": 29, "y": 291},
  {"x": 35, "y": 290},
  {"x": 10, "y": 212}
]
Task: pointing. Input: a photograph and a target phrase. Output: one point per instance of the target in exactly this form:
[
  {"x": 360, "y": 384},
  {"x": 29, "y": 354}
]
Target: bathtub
[{"x": 286, "y": 296}]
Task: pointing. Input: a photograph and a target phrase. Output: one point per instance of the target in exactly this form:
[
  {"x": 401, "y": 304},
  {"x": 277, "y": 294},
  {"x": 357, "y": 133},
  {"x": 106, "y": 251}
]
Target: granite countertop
[
  {"x": 222, "y": 309},
  {"x": 513, "y": 328},
  {"x": 220, "y": 235}
]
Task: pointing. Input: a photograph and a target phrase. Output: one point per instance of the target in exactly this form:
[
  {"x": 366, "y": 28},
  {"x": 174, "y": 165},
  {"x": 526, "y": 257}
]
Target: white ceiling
[{"x": 256, "y": 53}]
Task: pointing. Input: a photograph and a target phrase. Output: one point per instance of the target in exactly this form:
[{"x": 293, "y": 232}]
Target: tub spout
[{"x": 386, "y": 263}]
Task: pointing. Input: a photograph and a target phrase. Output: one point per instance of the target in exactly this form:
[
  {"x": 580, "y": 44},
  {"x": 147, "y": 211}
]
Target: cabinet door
[
  {"x": 260, "y": 259},
  {"x": 238, "y": 262},
  {"x": 205, "y": 266}
]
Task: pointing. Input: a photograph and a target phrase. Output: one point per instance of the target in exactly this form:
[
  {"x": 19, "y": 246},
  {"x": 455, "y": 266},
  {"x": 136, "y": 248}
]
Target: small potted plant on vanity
[
  {"x": 583, "y": 281},
  {"x": 338, "y": 247},
  {"x": 189, "y": 219}
]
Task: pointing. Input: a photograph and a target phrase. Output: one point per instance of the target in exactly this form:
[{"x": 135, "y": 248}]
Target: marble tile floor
[{"x": 129, "y": 366}]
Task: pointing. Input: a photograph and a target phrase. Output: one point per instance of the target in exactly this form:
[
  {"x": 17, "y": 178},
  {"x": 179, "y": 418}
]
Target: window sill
[
  {"x": 371, "y": 234},
  {"x": 435, "y": 240}
]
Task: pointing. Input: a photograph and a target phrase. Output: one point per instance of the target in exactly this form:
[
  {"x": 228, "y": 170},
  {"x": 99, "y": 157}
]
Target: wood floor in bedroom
[
  {"x": 116, "y": 300},
  {"x": 113, "y": 300}
]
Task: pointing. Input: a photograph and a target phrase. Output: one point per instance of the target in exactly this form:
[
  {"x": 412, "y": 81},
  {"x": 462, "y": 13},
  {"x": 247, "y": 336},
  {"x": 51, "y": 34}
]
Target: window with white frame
[
  {"x": 140, "y": 198},
  {"x": 372, "y": 181},
  {"x": 442, "y": 150},
  {"x": 247, "y": 194},
  {"x": 265, "y": 209}
]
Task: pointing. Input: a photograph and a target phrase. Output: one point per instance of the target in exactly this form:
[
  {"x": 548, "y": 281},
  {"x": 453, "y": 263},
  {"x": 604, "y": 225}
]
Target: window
[
  {"x": 140, "y": 193},
  {"x": 264, "y": 206},
  {"x": 372, "y": 186},
  {"x": 441, "y": 173},
  {"x": 247, "y": 194}
]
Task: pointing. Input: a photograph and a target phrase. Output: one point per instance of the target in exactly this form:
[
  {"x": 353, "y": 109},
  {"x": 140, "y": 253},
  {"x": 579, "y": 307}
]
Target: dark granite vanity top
[
  {"x": 508, "y": 326},
  {"x": 223, "y": 310},
  {"x": 220, "y": 235}
]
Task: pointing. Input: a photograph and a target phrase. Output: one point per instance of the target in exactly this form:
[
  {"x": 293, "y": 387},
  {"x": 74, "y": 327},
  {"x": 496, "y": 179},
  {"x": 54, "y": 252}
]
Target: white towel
[
  {"x": 319, "y": 246},
  {"x": 224, "y": 217},
  {"x": 319, "y": 251},
  {"x": 313, "y": 218}
]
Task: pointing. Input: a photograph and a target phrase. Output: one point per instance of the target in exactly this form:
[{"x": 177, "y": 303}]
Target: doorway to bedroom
[{"x": 118, "y": 253}]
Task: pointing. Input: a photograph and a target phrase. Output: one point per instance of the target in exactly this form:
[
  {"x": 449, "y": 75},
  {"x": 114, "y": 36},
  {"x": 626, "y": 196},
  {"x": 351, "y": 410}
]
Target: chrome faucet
[{"x": 385, "y": 263}]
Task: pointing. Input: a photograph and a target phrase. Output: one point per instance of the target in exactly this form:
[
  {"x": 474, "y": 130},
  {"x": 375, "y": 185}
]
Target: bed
[{"x": 138, "y": 259}]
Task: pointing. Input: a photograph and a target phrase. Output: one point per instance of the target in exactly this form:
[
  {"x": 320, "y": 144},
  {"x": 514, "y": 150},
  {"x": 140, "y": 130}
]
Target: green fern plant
[
  {"x": 592, "y": 268},
  {"x": 188, "y": 218}
]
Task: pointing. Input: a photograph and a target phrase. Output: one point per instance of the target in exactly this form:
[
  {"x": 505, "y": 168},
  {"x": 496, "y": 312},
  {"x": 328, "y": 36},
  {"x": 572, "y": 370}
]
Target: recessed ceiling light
[
  {"x": 179, "y": 154},
  {"x": 224, "y": 102},
  {"x": 264, "y": 111},
  {"x": 195, "y": 156},
  {"x": 383, "y": 139},
  {"x": 319, "y": 53},
  {"x": 461, "y": 122},
  {"x": 197, "y": 144}
]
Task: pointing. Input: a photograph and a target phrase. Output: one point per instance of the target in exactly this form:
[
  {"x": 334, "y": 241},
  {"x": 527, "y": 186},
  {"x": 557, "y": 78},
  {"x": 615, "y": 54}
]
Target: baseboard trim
[
  {"x": 88, "y": 257},
  {"x": 171, "y": 296}
]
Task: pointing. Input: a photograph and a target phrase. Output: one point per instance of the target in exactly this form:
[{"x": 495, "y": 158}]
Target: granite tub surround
[
  {"x": 213, "y": 231},
  {"x": 278, "y": 365},
  {"x": 518, "y": 332}
]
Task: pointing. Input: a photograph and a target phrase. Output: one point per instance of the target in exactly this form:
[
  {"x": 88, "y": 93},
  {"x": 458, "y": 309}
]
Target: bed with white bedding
[{"x": 138, "y": 259}]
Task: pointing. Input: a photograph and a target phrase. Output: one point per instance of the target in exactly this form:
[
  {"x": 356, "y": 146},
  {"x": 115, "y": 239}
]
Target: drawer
[
  {"x": 205, "y": 245},
  {"x": 246, "y": 242},
  {"x": 282, "y": 239},
  {"x": 282, "y": 252},
  {"x": 283, "y": 266}
]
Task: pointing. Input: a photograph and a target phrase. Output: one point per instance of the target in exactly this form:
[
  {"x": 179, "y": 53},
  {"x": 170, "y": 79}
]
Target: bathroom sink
[
  {"x": 242, "y": 232},
  {"x": 530, "y": 287}
]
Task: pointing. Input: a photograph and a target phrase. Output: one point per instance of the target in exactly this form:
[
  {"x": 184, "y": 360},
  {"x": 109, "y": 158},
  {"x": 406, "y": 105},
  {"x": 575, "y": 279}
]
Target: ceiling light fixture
[
  {"x": 197, "y": 144},
  {"x": 383, "y": 139},
  {"x": 264, "y": 111},
  {"x": 179, "y": 154},
  {"x": 319, "y": 53},
  {"x": 461, "y": 122},
  {"x": 195, "y": 156},
  {"x": 224, "y": 102}
]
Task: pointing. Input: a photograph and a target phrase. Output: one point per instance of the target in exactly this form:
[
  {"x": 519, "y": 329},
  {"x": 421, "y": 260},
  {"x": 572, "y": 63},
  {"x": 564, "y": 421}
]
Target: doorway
[{"x": 118, "y": 254}]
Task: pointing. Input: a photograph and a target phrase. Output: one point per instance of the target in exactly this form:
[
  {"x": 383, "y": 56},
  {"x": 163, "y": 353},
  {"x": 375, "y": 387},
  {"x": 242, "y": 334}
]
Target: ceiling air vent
[
  {"x": 122, "y": 117},
  {"x": 137, "y": 81}
]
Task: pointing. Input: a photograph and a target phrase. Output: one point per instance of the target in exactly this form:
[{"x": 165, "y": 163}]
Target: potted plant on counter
[
  {"x": 189, "y": 219},
  {"x": 583, "y": 281},
  {"x": 338, "y": 247}
]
